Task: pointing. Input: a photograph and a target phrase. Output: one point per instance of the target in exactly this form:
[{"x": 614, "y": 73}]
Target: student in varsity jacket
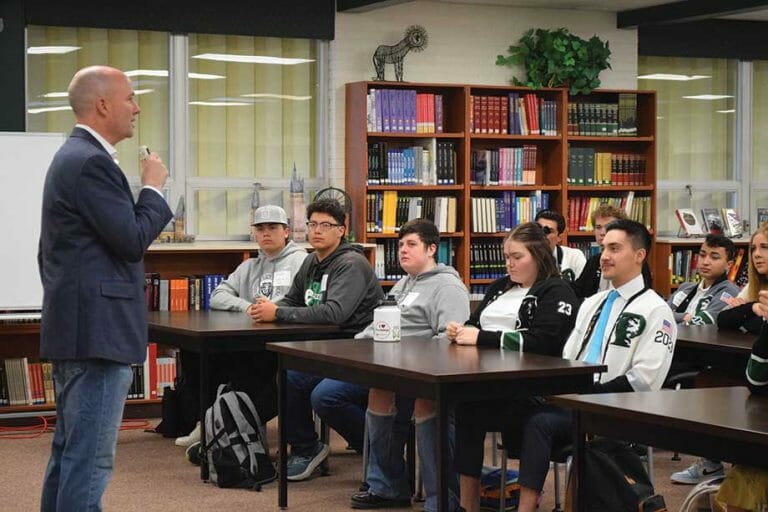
[
  {"x": 335, "y": 285},
  {"x": 739, "y": 315},
  {"x": 591, "y": 279},
  {"x": 532, "y": 309},
  {"x": 700, "y": 303},
  {"x": 746, "y": 489},
  {"x": 570, "y": 261},
  {"x": 629, "y": 328}
]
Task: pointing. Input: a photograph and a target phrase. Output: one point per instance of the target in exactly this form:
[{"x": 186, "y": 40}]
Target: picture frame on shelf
[
  {"x": 713, "y": 222},
  {"x": 689, "y": 222}
]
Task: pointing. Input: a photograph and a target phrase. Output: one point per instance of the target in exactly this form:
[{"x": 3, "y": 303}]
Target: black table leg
[
  {"x": 282, "y": 407},
  {"x": 441, "y": 410},
  {"x": 204, "y": 393},
  {"x": 579, "y": 452}
]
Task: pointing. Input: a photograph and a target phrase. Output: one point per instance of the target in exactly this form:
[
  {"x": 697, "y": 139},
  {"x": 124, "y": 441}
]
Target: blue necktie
[{"x": 594, "y": 350}]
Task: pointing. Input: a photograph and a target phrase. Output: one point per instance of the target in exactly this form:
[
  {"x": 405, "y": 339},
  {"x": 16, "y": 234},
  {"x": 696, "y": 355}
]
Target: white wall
[{"x": 463, "y": 43}]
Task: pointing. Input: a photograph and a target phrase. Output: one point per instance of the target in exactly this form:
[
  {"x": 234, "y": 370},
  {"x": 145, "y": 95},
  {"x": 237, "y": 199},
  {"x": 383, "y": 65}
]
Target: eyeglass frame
[
  {"x": 546, "y": 229},
  {"x": 322, "y": 227}
]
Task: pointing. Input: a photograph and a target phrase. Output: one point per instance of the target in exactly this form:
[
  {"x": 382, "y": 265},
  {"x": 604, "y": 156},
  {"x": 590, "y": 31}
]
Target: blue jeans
[
  {"x": 90, "y": 396},
  {"x": 426, "y": 442},
  {"x": 340, "y": 405},
  {"x": 387, "y": 434}
]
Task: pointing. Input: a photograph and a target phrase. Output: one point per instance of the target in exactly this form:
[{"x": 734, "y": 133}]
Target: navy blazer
[{"x": 91, "y": 256}]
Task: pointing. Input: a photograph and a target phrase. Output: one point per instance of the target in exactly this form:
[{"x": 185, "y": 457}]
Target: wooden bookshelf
[{"x": 551, "y": 166}]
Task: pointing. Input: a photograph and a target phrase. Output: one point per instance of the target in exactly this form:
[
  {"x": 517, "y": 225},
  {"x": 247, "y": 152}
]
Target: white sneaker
[
  {"x": 189, "y": 440},
  {"x": 699, "y": 471}
]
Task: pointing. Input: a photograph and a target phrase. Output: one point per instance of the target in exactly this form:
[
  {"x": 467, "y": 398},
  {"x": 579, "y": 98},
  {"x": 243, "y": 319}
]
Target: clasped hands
[
  {"x": 262, "y": 310},
  {"x": 461, "y": 334}
]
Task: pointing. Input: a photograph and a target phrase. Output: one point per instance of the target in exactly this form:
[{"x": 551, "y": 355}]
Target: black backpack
[
  {"x": 236, "y": 449},
  {"x": 616, "y": 479}
]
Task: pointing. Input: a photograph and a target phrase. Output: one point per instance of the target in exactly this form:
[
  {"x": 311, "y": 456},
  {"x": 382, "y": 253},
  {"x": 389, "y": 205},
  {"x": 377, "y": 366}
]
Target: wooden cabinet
[{"x": 489, "y": 135}]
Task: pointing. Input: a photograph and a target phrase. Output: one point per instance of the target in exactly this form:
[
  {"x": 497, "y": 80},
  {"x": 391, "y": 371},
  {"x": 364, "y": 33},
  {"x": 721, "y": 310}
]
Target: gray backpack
[{"x": 236, "y": 449}]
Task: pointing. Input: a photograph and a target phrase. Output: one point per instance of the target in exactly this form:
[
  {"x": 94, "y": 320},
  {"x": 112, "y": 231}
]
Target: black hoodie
[{"x": 341, "y": 290}]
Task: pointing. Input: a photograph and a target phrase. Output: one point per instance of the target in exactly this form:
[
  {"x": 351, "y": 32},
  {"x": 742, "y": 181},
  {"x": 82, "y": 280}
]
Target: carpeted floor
[{"x": 152, "y": 475}]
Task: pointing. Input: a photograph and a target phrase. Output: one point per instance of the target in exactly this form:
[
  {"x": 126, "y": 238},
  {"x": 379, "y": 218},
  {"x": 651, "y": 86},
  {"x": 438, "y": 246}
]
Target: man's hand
[
  {"x": 263, "y": 310},
  {"x": 153, "y": 172}
]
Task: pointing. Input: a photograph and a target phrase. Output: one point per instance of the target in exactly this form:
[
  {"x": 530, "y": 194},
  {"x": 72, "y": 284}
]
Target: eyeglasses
[
  {"x": 546, "y": 229},
  {"x": 322, "y": 227}
]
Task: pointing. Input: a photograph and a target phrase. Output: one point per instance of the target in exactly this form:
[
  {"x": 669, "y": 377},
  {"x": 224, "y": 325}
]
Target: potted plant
[{"x": 557, "y": 58}]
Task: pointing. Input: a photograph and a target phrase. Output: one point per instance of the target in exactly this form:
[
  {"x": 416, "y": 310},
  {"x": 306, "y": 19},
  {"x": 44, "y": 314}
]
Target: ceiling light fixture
[
  {"x": 708, "y": 97},
  {"x": 54, "y": 50},
  {"x": 164, "y": 73},
  {"x": 673, "y": 77},
  {"x": 48, "y": 109},
  {"x": 221, "y": 103},
  {"x": 276, "y": 96},
  {"x": 251, "y": 59}
]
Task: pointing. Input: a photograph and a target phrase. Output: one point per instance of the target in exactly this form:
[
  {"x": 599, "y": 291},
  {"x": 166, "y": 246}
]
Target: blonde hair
[
  {"x": 757, "y": 281},
  {"x": 607, "y": 211}
]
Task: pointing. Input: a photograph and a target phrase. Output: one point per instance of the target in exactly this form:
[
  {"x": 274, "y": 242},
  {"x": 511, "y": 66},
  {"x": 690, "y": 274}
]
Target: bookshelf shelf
[{"x": 473, "y": 123}]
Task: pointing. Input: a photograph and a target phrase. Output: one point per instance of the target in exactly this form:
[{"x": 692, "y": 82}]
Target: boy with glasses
[
  {"x": 335, "y": 285},
  {"x": 570, "y": 261}
]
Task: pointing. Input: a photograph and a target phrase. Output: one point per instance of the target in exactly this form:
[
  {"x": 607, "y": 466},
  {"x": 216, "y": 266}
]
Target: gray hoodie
[
  {"x": 428, "y": 302},
  {"x": 265, "y": 276}
]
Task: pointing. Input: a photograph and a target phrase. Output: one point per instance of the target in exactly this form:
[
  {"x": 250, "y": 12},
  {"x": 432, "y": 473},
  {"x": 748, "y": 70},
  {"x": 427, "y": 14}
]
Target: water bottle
[{"x": 386, "y": 321}]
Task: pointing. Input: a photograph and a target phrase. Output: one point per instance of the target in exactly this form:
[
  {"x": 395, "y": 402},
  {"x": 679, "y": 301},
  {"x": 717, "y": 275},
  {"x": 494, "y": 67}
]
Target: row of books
[
  {"x": 26, "y": 383},
  {"x": 502, "y": 213},
  {"x": 589, "y": 167},
  {"x": 503, "y": 166},
  {"x": 387, "y": 211},
  {"x": 724, "y": 221},
  {"x": 431, "y": 162},
  {"x": 606, "y": 119},
  {"x": 191, "y": 293},
  {"x": 404, "y": 111},
  {"x": 589, "y": 248},
  {"x": 477, "y": 291},
  {"x": 580, "y": 209},
  {"x": 513, "y": 114},
  {"x": 386, "y": 265},
  {"x": 486, "y": 259}
]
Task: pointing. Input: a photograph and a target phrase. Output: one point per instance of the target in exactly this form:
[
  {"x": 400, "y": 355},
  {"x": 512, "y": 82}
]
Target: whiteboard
[{"x": 24, "y": 160}]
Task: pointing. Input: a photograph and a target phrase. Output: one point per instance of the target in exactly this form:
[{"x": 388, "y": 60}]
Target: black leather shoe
[{"x": 367, "y": 500}]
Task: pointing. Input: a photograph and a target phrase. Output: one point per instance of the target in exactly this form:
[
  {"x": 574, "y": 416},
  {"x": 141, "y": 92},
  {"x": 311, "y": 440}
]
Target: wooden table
[
  {"x": 427, "y": 368},
  {"x": 206, "y": 332},
  {"x": 705, "y": 345},
  {"x": 718, "y": 423}
]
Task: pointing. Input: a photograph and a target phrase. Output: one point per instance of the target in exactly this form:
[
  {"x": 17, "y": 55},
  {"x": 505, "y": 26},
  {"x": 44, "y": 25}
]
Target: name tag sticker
[
  {"x": 283, "y": 278},
  {"x": 678, "y": 298},
  {"x": 725, "y": 296},
  {"x": 324, "y": 283},
  {"x": 408, "y": 300}
]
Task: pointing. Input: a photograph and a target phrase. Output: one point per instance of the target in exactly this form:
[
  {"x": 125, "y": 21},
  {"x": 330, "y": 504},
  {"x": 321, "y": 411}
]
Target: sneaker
[
  {"x": 698, "y": 472},
  {"x": 194, "y": 453},
  {"x": 300, "y": 467},
  {"x": 369, "y": 501},
  {"x": 189, "y": 440}
]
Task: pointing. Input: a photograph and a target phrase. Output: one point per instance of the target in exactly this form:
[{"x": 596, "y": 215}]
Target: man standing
[
  {"x": 335, "y": 285},
  {"x": 570, "y": 261},
  {"x": 94, "y": 323}
]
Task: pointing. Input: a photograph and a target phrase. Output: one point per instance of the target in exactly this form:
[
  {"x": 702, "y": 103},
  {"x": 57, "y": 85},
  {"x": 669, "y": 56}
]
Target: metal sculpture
[{"x": 415, "y": 39}]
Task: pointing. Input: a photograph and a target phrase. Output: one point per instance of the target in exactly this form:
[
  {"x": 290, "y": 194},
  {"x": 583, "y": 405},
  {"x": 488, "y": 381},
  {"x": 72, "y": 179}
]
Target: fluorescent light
[
  {"x": 58, "y": 50},
  {"x": 221, "y": 103},
  {"x": 139, "y": 92},
  {"x": 673, "y": 77},
  {"x": 251, "y": 59},
  {"x": 55, "y": 95},
  {"x": 708, "y": 97},
  {"x": 277, "y": 96},
  {"x": 164, "y": 73},
  {"x": 731, "y": 111},
  {"x": 48, "y": 109}
]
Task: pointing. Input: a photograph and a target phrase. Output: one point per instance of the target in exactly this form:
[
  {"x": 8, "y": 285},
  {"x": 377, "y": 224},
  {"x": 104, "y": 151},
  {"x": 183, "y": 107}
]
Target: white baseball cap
[{"x": 270, "y": 214}]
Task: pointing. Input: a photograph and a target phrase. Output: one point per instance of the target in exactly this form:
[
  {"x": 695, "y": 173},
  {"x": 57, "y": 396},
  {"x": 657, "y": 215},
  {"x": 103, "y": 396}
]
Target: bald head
[
  {"x": 88, "y": 85},
  {"x": 102, "y": 97}
]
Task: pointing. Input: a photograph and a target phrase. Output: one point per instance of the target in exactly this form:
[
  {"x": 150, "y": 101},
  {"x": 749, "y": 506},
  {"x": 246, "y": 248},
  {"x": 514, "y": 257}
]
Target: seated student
[
  {"x": 628, "y": 328},
  {"x": 591, "y": 279},
  {"x": 745, "y": 489},
  {"x": 700, "y": 304},
  {"x": 335, "y": 285},
  {"x": 531, "y": 309},
  {"x": 269, "y": 275},
  {"x": 570, "y": 261},
  {"x": 429, "y": 296},
  {"x": 740, "y": 315}
]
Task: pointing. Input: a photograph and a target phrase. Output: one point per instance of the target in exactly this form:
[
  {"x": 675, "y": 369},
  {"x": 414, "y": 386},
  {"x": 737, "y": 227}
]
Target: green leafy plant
[{"x": 557, "y": 58}]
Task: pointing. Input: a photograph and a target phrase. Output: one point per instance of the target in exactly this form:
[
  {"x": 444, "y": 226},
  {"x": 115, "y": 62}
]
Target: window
[
  {"x": 223, "y": 112},
  {"x": 696, "y": 126}
]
